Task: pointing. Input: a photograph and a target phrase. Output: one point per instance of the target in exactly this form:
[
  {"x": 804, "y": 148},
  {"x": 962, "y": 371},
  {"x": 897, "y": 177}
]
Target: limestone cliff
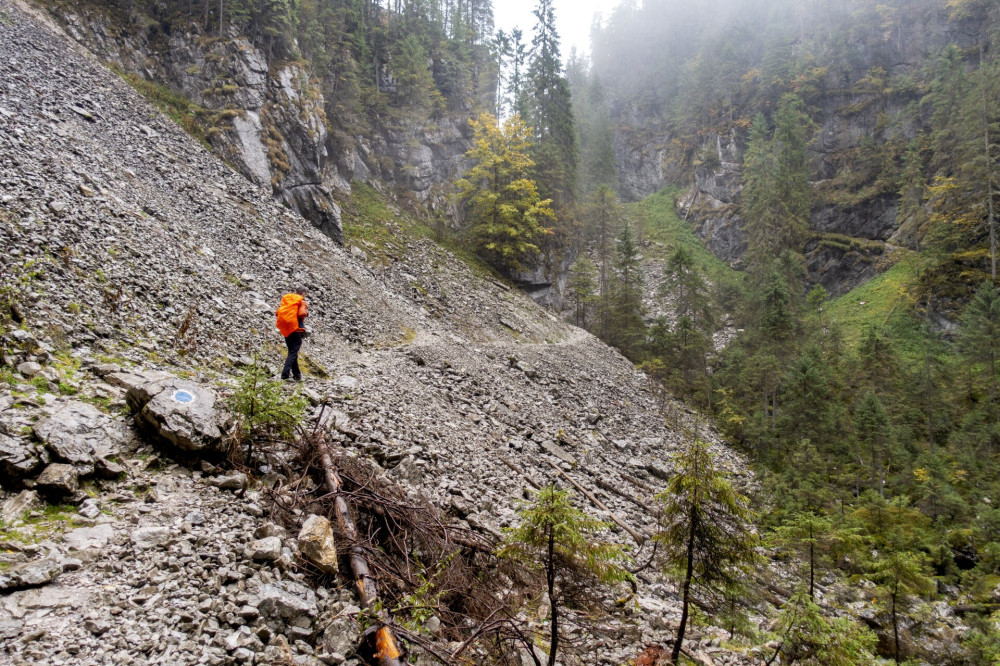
[{"x": 275, "y": 121}]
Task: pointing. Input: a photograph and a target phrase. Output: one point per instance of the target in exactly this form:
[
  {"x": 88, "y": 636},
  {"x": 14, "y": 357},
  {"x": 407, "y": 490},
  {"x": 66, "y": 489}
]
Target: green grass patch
[
  {"x": 657, "y": 215},
  {"x": 886, "y": 301},
  {"x": 37, "y": 526},
  {"x": 178, "y": 108},
  {"x": 370, "y": 224}
]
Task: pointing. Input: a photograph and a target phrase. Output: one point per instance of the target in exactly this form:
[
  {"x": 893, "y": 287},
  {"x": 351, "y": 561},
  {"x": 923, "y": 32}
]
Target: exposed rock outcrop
[{"x": 271, "y": 119}]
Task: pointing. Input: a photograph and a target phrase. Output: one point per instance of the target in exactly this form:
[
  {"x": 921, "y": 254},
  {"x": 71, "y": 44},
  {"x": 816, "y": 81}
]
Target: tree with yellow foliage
[{"x": 506, "y": 214}]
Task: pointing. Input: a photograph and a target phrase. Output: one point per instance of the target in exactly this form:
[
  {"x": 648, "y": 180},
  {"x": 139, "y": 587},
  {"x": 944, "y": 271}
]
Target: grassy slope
[
  {"x": 657, "y": 215},
  {"x": 885, "y": 302},
  {"x": 384, "y": 231}
]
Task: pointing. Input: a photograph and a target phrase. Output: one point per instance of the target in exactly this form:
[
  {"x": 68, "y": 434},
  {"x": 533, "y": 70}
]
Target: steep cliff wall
[{"x": 274, "y": 120}]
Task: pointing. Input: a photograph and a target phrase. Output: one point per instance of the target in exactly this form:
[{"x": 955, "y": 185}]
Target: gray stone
[
  {"x": 179, "y": 412},
  {"x": 287, "y": 600},
  {"x": 77, "y": 430},
  {"x": 340, "y": 636},
  {"x": 97, "y": 627},
  {"x": 18, "y": 459},
  {"x": 54, "y": 596},
  {"x": 317, "y": 545},
  {"x": 31, "y": 574},
  {"x": 559, "y": 452},
  {"x": 29, "y": 368},
  {"x": 234, "y": 481},
  {"x": 267, "y": 549},
  {"x": 59, "y": 478},
  {"x": 18, "y": 505},
  {"x": 83, "y": 538},
  {"x": 150, "y": 536},
  {"x": 90, "y": 508}
]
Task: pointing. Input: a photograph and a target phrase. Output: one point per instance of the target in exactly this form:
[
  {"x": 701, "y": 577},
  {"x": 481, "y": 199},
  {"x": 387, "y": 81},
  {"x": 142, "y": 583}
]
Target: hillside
[
  {"x": 892, "y": 102},
  {"x": 130, "y": 250}
]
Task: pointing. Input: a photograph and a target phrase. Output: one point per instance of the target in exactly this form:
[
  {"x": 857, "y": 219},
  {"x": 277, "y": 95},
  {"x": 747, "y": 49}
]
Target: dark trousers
[{"x": 294, "y": 343}]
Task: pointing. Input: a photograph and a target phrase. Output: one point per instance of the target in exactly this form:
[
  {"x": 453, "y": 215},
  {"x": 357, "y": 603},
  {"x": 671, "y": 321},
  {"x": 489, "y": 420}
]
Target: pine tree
[
  {"x": 583, "y": 287},
  {"x": 506, "y": 213},
  {"x": 900, "y": 575},
  {"x": 550, "y": 111},
  {"x": 707, "y": 539},
  {"x": 807, "y": 637},
  {"x": 776, "y": 195},
  {"x": 979, "y": 345},
  {"x": 564, "y": 543},
  {"x": 626, "y": 328}
]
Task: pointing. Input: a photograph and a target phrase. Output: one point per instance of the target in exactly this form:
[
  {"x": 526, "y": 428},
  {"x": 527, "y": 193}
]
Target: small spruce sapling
[
  {"x": 707, "y": 539},
  {"x": 809, "y": 638},
  {"x": 562, "y": 541},
  {"x": 263, "y": 407}
]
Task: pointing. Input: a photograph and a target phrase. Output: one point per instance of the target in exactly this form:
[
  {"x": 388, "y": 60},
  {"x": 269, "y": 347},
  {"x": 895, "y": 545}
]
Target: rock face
[
  {"x": 851, "y": 116},
  {"x": 180, "y": 412},
  {"x": 273, "y": 122}
]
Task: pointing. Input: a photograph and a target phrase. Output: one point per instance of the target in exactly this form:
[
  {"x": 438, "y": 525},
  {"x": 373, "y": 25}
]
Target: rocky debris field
[{"x": 141, "y": 275}]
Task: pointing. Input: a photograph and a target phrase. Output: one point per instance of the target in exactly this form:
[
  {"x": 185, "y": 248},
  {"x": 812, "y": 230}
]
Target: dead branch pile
[{"x": 421, "y": 563}]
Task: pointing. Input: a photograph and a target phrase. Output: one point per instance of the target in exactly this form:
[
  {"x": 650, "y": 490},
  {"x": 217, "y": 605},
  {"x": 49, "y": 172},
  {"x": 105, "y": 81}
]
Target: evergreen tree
[
  {"x": 807, "y": 637},
  {"x": 583, "y": 287},
  {"x": 979, "y": 345},
  {"x": 550, "y": 111},
  {"x": 900, "y": 576},
  {"x": 506, "y": 213},
  {"x": 627, "y": 329},
  {"x": 776, "y": 195},
  {"x": 562, "y": 541},
  {"x": 707, "y": 540}
]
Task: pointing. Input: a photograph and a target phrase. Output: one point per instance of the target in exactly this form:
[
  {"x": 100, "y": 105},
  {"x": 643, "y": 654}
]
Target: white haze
[{"x": 573, "y": 20}]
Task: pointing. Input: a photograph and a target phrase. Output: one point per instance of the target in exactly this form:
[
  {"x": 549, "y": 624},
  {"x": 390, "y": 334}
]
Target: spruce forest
[{"x": 784, "y": 214}]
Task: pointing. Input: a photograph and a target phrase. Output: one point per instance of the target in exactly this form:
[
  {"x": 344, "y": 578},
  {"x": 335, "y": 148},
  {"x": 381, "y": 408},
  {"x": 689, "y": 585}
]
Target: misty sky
[{"x": 573, "y": 19}]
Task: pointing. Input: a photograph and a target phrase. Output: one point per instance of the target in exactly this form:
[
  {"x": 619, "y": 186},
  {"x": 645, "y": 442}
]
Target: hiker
[{"x": 290, "y": 314}]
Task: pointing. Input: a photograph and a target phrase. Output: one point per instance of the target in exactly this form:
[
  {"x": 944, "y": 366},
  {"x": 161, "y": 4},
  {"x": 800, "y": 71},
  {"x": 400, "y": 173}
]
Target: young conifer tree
[
  {"x": 563, "y": 542},
  {"x": 707, "y": 539}
]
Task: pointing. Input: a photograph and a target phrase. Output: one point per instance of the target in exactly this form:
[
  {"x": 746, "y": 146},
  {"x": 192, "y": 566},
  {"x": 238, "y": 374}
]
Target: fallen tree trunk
[
  {"x": 386, "y": 646},
  {"x": 639, "y": 539}
]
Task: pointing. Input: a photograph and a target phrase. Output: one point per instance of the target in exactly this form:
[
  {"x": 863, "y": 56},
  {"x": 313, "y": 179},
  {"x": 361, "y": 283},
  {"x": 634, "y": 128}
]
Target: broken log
[
  {"x": 514, "y": 468},
  {"x": 609, "y": 487},
  {"x": 386, "y": 646},
  {"x": 639, "y": 539}
]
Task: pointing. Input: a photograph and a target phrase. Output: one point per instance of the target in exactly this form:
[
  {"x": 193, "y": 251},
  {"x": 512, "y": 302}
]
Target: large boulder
[
  {"x": 287, "y": 600},
  {"x": 59, "y": 479},
  {"x": 181, "y": 413},
  {"x": 80, "y": 434}
]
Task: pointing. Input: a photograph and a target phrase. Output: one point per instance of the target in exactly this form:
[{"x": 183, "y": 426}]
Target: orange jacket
[{"x": 290, "y": 313}]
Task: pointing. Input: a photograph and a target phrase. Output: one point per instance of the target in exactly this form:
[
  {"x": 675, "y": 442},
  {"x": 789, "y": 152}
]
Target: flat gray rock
[
  {"x": 89, "y": 537},
  {"x": 76, "y": 431},
  {"x": 150, "y": 537}
]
